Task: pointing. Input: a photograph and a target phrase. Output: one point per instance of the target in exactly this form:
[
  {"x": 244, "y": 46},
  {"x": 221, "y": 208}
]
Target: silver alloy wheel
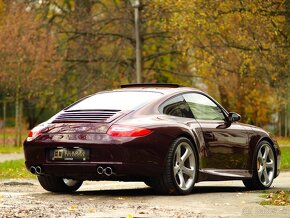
[
  {"x": 70, "y": 182},
  {"x": 266, "y": 165},
  {"x": 184, "y": 166}
]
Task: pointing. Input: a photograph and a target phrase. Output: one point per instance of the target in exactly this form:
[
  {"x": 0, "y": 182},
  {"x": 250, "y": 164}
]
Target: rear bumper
[
  {"x": 128, "y": 157},
  {"x": 88, "y": 171}
]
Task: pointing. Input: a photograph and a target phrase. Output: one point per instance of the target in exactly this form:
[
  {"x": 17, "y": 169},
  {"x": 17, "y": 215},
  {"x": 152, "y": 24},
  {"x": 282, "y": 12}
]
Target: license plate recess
[{"x": 69, "y": 154}]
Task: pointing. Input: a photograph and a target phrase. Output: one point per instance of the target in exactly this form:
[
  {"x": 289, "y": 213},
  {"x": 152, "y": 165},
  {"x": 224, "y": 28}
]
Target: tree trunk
[
  {"x": 83, "y": 25},
  {"x": 17, "y": 119},
  {"x": 18, "y": 110},
  {"x": 4, "y": 122},
  {"x": 286, "y": 109}
]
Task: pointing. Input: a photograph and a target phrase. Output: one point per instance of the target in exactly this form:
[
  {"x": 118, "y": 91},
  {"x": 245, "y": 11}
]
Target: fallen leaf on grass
[{"x": 278, "y": 198}]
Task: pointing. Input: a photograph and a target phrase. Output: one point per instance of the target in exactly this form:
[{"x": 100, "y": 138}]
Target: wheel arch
[
  {"x": 195, "y": 146},
  {"x": 190, "y": 138},
  {"x": 270, "y": 141},
  {"x": 182, "y": 132}
]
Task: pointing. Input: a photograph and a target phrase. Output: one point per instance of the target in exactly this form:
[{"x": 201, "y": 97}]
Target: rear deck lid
[{"x": 88, "y": 116}]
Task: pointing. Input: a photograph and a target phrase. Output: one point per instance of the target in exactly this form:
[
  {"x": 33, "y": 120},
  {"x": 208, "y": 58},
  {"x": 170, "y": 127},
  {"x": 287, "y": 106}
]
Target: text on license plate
[{"x": 69, "y": 154}]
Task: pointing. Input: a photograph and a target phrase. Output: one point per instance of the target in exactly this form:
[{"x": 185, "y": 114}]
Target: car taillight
[
  {"x": 127, "y": 131},
  {"x": 36, "y": 131}
]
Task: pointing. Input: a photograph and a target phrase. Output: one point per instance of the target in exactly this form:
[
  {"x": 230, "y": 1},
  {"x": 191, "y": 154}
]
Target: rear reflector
[
  {"x": 127, "y": 131},
  {"x": 30, "y": 134}
]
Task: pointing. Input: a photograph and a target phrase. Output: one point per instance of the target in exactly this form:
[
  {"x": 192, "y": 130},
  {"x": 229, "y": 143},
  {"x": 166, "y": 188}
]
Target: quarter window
[
  {"x": 203, "y": 108},
  {"x": 176, "y": 106}
]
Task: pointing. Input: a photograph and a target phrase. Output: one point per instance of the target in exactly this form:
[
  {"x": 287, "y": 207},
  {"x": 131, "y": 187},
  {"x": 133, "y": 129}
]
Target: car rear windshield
[{"x": 118, "y": 100}]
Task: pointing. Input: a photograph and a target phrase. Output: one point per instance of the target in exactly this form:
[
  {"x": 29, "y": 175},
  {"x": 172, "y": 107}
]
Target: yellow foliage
[{"x": 234, "y": 49}]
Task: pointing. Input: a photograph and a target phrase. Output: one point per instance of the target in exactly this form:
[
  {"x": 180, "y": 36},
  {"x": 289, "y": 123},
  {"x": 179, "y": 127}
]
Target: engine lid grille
[{"x": 92, "y": 116}]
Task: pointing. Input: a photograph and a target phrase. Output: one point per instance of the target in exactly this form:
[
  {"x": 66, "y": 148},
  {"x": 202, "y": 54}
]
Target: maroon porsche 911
[{"x": 168, "y": 136}]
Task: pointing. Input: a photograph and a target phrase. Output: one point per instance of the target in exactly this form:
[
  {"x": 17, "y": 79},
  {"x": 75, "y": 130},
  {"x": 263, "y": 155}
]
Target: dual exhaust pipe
[
  {"x": 35, "y": 170},
  {"x": 108, "y": 171}
]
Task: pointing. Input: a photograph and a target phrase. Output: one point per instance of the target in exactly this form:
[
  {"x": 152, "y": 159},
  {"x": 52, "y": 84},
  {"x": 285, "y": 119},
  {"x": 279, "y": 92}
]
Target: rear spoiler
[{"x": 140, "y": 85}]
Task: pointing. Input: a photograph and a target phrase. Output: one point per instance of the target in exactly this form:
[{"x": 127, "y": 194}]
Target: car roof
[{"x": 162, "y": 88}]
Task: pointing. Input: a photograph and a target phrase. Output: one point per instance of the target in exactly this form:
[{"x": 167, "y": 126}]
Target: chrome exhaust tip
[
  {"x": 100, "y": 170},
  {"x": 32, "y": 170},
  {"x": 38, "y": 170},
  {"x": 108, "y": 171}
]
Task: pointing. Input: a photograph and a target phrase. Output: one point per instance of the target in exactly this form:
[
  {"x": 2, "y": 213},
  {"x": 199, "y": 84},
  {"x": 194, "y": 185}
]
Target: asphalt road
[{"x": 25, "y": 198}]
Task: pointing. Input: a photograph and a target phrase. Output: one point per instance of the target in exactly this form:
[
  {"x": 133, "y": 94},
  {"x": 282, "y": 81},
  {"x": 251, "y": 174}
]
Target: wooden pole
[{"x": 4, "y": 122}]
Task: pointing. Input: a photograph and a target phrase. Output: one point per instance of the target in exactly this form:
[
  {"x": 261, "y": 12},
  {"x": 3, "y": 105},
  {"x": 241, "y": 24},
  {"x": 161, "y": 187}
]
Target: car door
[{"x": 225, "y": 143}]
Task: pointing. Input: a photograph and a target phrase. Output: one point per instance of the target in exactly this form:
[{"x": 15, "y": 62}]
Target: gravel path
[
  {"x": 26, "y": 198},
  {"x": 5, "y": 157}
]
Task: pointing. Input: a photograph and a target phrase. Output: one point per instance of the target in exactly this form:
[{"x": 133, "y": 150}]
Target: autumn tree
[
  {"x": 27, "y": 51},
  {"x": 236, "y": 50},
  {"x": 239, "y": 48},
  {"x": 97, "y": 40}
]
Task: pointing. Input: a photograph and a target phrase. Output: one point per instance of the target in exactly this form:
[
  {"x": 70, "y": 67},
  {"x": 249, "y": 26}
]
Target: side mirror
[{"x": 233, "y": 117}]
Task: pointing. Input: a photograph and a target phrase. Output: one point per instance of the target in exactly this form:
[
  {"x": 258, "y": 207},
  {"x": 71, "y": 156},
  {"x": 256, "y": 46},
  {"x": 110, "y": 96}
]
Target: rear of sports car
[{"x": 96, "y": 139}]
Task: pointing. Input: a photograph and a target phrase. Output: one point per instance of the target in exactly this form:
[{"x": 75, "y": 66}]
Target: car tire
[
  {"x": 264, "y": 167},
  {"x": 180, "y": 172},
  {"x": 57, "y": 184}
]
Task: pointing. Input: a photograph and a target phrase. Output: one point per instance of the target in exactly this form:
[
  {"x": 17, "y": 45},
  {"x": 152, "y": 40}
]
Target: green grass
[
  {"x": 285, "y": 158},
  {"x": 14, "y": 169},
  {"x": 10, "y": 149},
  {"x": 283, "y": 141}
]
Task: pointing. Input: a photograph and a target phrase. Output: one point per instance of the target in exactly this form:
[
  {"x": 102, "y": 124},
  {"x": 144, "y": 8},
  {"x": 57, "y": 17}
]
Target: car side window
[
  {"x": 203, "y": 108},
  {"x": 176, "y": 106}
]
